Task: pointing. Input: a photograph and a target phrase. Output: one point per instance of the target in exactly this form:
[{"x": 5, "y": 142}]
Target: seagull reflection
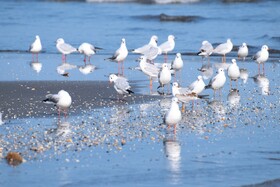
[
  {"x": 63, "y": 130},
  {"x": 63, "y": 68},
  {"x": 119, "y": 114},
  {"x": 206, "y": 71},
  {"x": 87, "y": 69},
  {"x": 244, "y": 75},
  {"x": 263, "y": 82},
  {"x": 36, "y": 66},
  {"x": 233, "y": 98},
  {"x": 218, "y": 109},
  {"x": 172, "y": 151}
]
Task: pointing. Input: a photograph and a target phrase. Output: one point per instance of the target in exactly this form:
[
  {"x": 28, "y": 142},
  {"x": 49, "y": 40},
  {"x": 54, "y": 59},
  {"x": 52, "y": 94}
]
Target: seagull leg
[
  {"x": 165, "y": 57},
  {"x": 122, "y": 67},
  {"x": 37, "y": 57},
  {"x": 263, "y": 69},
  {"x": 183, "y": 108},
  {"x": 85, "y": 59},
  {"x": 230, "y": 84},
  {"x": 174, "y": 131}
]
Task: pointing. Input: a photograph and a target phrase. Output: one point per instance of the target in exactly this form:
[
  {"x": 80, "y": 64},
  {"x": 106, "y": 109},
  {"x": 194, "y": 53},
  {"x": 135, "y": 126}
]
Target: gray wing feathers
[
  {"x": 67, "y": 47},
  {"x": 52, "y": 98},
  {"x": 122, "y": 84}
]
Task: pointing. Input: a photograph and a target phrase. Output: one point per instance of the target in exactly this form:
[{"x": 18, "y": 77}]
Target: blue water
[{"x": 247, "y": 152}]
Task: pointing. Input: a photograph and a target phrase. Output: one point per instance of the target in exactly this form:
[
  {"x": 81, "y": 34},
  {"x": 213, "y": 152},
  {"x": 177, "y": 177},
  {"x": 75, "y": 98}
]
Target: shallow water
[{"x": 230, "y": 140}]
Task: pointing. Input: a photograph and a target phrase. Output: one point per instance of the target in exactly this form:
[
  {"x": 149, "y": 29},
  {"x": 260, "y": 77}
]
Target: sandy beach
[{"x": 24, "y": 98}]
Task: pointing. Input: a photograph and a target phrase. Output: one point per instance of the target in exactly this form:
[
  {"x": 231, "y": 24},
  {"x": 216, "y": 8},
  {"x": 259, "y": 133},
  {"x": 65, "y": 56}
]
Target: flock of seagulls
[{"x": 161, "y": 72}]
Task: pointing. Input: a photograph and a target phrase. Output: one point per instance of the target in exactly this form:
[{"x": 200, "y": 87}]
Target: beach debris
[{"x": 14, "y": 159}]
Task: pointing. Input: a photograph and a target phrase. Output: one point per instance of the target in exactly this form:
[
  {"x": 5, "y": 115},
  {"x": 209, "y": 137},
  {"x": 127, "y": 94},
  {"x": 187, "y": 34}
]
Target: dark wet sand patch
[{"x": 24, "y": 98}]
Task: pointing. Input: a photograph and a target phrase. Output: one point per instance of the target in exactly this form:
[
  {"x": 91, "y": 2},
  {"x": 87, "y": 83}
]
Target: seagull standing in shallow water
[
  {"x": 62, "y": 100},
  {"x": 149, "y": 69},
  {"x": 177, "y": 64},
  {"x": 167, "y": 46},
  {"x": 242, "y": 51},
  {"x": 120, "y": 55},
  {"x": 88, "y": 50},
  {"x": 206, "y": 50},
  {"x": 223, "y": 49},
  {"x": 217, "y": 82},
  {"x": 164, "y": 75},
  {"x": 173, "y": 116},
  {"x": 261, "y": 56},
  {"x": 64, "y": 48},
  {"x": 233, "y": 72},
  {"x": 145, "y": 48},
  {"x": 35, "y": 48}
]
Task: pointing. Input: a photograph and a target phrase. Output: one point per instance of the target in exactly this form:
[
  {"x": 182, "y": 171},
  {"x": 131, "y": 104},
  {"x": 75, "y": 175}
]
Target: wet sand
[{"x": 24, "y": 98}]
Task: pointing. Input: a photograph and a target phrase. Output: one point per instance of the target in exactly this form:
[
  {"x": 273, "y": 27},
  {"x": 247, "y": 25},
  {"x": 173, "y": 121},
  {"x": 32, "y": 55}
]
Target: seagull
[
  {"x": 242, "y": 51},
  {"x": 120, "y": 55},
  {"x": 197, "y": 86},
  {"x": 35, "y": 47},
  {"x": 233, "y": 72},
  {"x": 62, "y": 100},
  {"x": 121, "y": 84},
  {"x": 149, "y": 69},
  {"x": 1, "y": 119},
  {"x": 217, "y": 82},
  {"x": 173, "y": 115},
  {"x": 261, "y": 56},
  {"x": 206, "y": 49},
  {"x": 142, "y": 50},
  {"x": 88, "y": 50},
  {"x": 177, "y": 64},
  {"x": 223, "y": 49},
  {"x": 64, "y": 48},
  {"x": 167, "y": 46},
  {"x": 164, "y": 75},
  {"x": 189, "y": 93},
  {"x": 152, "y": 53}
]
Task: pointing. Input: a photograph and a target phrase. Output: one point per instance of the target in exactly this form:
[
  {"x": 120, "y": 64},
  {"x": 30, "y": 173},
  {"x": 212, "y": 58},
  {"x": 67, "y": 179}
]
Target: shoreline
[{"x": 24, "y": 98}]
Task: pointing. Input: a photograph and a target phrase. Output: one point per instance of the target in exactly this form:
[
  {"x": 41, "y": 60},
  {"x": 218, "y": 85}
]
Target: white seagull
[
  {"x": 197, "y": 86},
  {"x": 88, "y": 50},
  {"x": 120, "y": 55},
  {"x": 206, "y": 49},
  {"x": 173, "y": 115},
  {"x": 217, "y": 82},
  {"x": 121, "y": 84},
  {"x": 64, "y": 48},
  {"x": 167, "y": 46},
  {"x": 35, "y": 47},
  {"x": 62, "y": 100},
  {"x": 223, "y": 49},
  {"x": 261, "y": 56},
  {"x": 164, "y": 75},
  {"x": 233, "y": 72},
  {"x": 149, "y": 69},
  {"x": 242, "y": 51},
  {"x": 177, "y": 64},
  {"x": 145, "y": 48}
]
